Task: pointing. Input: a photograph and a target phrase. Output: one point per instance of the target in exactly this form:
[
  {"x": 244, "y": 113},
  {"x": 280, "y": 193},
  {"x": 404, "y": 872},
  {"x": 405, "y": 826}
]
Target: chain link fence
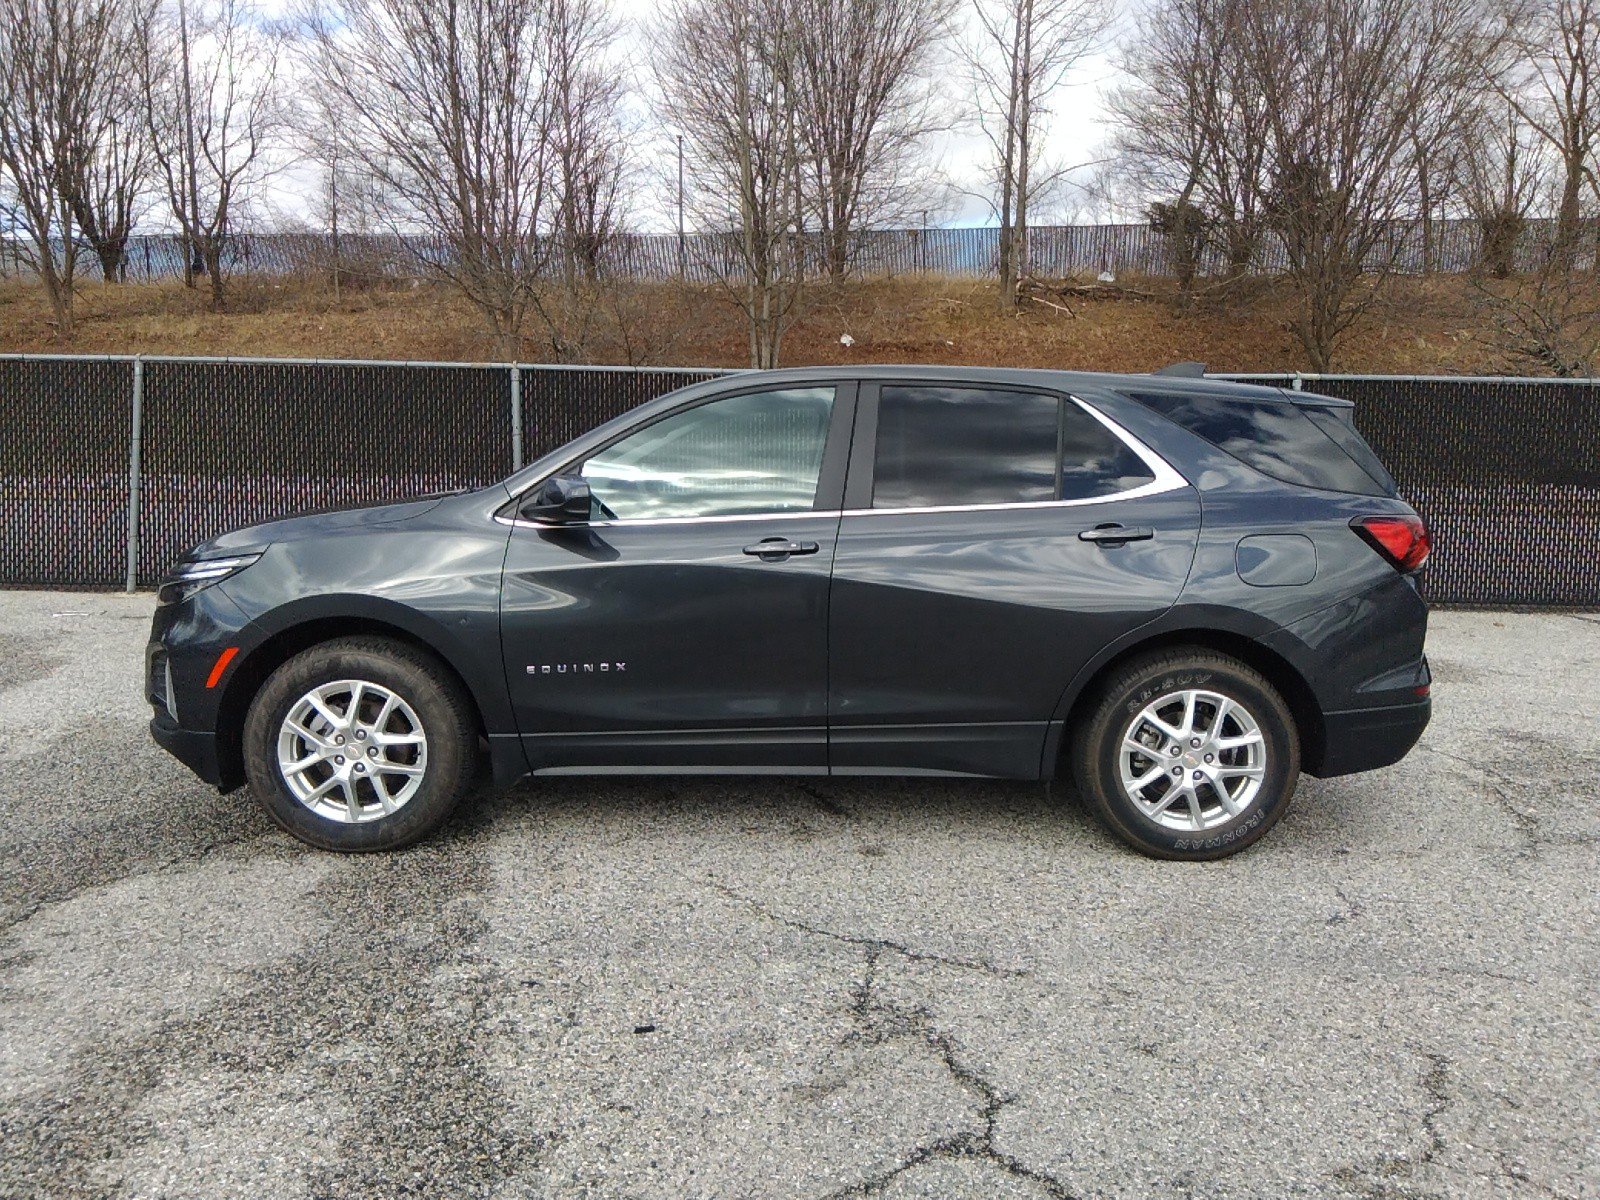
[
  {"x": 559, "y": 403},
  {"x": 65, "y": 427},
  {"x": 111, "y": 467},
  {"x": 1507, "y": 473},
  {"x": 228, "y": 444},
  {"x": 1054, "y": 251}
]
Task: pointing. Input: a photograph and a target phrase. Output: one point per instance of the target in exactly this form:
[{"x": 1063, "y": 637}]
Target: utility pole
[
  {"x": 683, "y": 250},
  {"x": 192, "y": 165}
]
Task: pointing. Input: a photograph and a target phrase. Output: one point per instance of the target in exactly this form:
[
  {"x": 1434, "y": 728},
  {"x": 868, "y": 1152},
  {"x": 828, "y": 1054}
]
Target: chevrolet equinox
[{"x": 1178, "y": 593}]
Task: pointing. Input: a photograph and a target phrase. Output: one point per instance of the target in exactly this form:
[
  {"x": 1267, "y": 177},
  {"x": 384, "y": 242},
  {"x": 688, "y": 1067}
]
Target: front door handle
[
  {"x": 777, "y": 549},
  {"x": 1116, "y": 535}
]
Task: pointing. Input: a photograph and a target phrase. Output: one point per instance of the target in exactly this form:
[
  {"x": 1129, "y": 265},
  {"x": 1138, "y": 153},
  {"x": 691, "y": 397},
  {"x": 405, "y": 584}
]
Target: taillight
[{"x": 1401, "y": 540}]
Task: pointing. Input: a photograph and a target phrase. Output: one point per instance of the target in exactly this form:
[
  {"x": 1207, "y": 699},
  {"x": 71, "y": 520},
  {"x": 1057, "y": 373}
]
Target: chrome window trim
[
  {"x": 1167, "y": 479},
  {"x": 1144, "y": 489},
  {"x": 781, "y": 515}
]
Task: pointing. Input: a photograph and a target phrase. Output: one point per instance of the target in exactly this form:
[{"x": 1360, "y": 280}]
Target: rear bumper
[
  {"x": 194, "y": 749},
  {"x": 1368, "y": 738}
]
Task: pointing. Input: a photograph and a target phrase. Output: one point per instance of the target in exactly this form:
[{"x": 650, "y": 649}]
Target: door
[
  {"x": 993, "y": 540},
  {"x": 685, "y": 625}
]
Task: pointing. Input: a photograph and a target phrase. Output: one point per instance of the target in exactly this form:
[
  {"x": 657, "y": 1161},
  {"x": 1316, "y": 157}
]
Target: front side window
[
  {"x": 756, "y": 453},
  {"x": 947, "y": 446}
]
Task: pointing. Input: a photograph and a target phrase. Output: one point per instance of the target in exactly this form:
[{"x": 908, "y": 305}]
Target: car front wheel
[
  {"x": 360, "y": 744},
  {"x": 1188, "y": 754}
]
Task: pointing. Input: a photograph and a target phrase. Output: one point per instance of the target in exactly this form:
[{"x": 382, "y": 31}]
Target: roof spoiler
[{"x": 1183, "y": 370}]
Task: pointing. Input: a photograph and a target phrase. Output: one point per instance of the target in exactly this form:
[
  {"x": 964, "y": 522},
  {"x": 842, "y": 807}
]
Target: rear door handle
[
  {"x": 1115, "y": 535},
  {"x": 777, "y": 549}
]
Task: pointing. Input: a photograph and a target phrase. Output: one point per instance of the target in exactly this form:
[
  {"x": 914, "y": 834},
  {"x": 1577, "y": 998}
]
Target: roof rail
[{"x": 1184, "y": 370}]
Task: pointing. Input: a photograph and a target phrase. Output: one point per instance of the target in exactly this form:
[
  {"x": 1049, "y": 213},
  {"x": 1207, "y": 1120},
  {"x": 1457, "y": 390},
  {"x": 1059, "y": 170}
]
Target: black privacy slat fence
[
  {"x": 65, "y": 426},
  {"x": 560, "y": 403},
  {"x": 226, "y": 444},
  {"x": 1507, "y": 471}
]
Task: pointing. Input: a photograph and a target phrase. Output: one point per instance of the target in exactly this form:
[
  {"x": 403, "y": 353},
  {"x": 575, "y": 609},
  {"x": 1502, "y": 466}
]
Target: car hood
[{"x": 310, "y": 525}]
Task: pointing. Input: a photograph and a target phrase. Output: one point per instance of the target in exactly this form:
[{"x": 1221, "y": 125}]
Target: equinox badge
[{"x": 587, "y": 668}]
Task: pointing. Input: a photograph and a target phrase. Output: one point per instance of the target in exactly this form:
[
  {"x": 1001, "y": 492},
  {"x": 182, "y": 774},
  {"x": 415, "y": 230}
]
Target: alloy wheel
[
  {"x": 1192, "y": 760},
  {"x": 352, "y": 751}
]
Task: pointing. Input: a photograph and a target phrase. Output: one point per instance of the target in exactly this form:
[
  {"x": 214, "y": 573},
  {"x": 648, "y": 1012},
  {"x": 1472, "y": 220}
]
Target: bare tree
[
  {"x": 589, "y": 142},
  {"x": 1440, "y": 143},
  {"x": 1020, "y": 53},
  {"x": 1344, "y": 82},
  {"x": 1546, "y": 320},
  {"x": 496, "y": 128},
  {"x": 726, "y": 71},
  {"x": 1542, "y": 312},
  {"x": 108, "y": 177},
  {"x": 448, "y": 108},
  {"x": 861, "y": 76},
  {"x": 348, "y": 201},
  {"x": 1190, "y": 125},
  {"x": 1553, "y": 84},
  {"x": 1503, "y": 175},
  {"x": 105, "y": 172},
  {"x": 56, "y": 63},
  {"x": 208, "y": 78}
]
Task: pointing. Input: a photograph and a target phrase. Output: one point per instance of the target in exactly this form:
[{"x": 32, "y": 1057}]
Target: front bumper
[
  {"x": 194, "y": 748},
  {"x": 187, "y": 681},
  {"x": 1368, "y": 738}
]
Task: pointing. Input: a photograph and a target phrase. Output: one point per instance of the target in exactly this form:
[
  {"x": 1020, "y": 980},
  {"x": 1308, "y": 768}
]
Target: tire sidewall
[
  {"x": 449, "y": 760},
  {"x": 1099, "y": 752}
]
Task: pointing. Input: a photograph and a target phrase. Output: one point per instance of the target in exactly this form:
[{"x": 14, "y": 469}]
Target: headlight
[{"x": 187, "y": 578}]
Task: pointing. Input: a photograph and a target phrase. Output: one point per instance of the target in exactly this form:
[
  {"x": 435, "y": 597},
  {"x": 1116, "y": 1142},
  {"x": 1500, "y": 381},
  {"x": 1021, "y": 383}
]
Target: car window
[
  {"x": 1094, "y": 461},
  {"x": 756, "y": 453},
  {"x": 943, "y": 446},
  {"x": 1339, "y": 425},
  {"x": 1277, "y": 438}
]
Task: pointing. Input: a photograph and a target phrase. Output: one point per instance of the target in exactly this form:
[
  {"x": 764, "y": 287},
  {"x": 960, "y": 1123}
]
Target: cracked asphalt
[{"x": 771, "y": 988}]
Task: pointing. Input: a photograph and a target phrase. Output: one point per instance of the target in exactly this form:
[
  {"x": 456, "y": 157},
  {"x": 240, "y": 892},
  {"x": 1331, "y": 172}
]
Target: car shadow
[{"x": 798, "y": 806}]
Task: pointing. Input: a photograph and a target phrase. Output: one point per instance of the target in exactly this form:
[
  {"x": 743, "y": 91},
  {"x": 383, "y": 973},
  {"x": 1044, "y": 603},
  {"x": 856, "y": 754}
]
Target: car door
[
  {"x": 685, "y": 625},
  {"x": 993, "y": 539}
]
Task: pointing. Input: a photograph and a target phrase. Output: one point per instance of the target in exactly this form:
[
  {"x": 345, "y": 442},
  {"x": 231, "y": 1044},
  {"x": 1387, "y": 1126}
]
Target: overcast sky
[{"x": 1076, "y": 137}]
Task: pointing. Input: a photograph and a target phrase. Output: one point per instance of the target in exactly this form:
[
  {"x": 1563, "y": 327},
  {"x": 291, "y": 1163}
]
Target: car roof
[{"x": 1222, "y": 389}]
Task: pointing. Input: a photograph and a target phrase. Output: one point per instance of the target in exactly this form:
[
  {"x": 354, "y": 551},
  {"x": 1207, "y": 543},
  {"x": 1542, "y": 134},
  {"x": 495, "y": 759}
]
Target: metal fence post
[
  {"x": 516, "y": 417},
  {"x": 1296, "y": 381},
  {"x": 134, "y": 450}
]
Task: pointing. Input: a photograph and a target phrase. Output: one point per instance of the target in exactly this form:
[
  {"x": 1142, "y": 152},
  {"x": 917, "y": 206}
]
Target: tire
[
  {"x": 1214, "y": 811},
  {"x": 415, "y": 758}
]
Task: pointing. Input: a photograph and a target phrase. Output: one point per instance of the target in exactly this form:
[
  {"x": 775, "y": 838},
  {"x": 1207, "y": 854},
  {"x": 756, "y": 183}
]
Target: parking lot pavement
[{"x": 764, "y": 988}]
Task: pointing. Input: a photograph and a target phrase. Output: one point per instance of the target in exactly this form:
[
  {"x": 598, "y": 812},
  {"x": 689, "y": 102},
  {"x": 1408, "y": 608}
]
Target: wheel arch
[
  {"x": 1282, "y": 674},
  {"x": 253, "y": 670}
]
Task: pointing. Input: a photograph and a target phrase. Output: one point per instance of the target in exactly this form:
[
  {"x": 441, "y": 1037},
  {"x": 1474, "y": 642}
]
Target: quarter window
[
  {"x": 1306, "y": 446},
  {"x": 756, "y": 453},
  {"x": 948, "y": 446}
]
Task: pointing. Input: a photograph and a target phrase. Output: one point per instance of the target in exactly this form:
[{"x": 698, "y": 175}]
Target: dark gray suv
[{"x": 1177, "y": 592}]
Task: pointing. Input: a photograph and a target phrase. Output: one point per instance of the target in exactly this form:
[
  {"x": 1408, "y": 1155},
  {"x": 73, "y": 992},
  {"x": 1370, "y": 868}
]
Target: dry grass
[{"x": 1421, "y": 326}]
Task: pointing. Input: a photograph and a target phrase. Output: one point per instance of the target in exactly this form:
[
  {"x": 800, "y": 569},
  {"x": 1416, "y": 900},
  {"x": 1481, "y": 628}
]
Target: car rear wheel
[
  {"x": 1188, "y": 754},
  {"x": 360, "y": 744}
]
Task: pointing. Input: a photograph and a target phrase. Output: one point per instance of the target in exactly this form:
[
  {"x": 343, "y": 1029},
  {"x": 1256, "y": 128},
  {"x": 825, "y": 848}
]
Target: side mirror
[{"x": 560, "y": 500}]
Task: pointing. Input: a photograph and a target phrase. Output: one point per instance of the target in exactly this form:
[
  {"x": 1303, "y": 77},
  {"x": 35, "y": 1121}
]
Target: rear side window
[
  {"x": 1277, "y": 438},
  {"x": 945, "y": 446}
]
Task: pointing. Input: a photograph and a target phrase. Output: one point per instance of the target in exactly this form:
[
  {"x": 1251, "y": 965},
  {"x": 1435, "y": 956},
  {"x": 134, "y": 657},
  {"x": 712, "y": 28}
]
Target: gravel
[{"x": 776, "y": 988}]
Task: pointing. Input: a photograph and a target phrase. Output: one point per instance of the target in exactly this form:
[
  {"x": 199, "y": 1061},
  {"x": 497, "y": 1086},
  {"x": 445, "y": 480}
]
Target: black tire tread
[
  {"x": 1103, "y": 707},
  {"x": 448, "y": 787}
]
